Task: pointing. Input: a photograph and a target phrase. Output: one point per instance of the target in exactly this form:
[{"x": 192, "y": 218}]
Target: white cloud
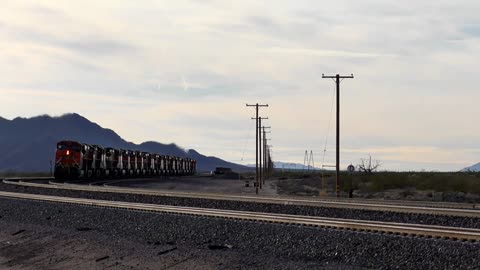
[{"x": 325, "y": 53}]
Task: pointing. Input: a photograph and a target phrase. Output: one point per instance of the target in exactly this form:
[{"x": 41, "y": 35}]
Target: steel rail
[
  {"x": 466, "y": 234},
  {"x": 317, "y": 199},
  {"x": 361, "y": 205},
  {"x": 114, "y": 189}
]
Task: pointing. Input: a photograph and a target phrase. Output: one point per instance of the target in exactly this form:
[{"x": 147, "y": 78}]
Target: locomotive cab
[{"x": 68, "y": 159}]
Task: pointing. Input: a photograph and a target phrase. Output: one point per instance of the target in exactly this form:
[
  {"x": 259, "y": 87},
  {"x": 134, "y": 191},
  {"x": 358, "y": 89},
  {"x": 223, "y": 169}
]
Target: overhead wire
[
  {"x": 247, "y": 139},
  {"x": 324, "y": 188},
  {"x": 328, "y": 129}
]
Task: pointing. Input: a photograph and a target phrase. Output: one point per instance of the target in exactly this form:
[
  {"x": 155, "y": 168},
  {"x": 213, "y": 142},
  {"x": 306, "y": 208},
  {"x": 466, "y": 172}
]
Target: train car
[
  {"x": 132, "y": 163},
  {"x": 113, "y": 164},
  {"x": 180, "y": 166},
  {"x": 163, "y": 164},
  {"x": 175, "y": 165},
  {"x": 189, "y": 166},
  {"x": 138, "y": 163},
  {"x": 184, "y": 166},
  {"x": 99, "y": 161},
  {"x": 155, "y": 164},
  {"x": 147, "y": 164},
  {"x": 74, "y": 160},
  {"x": 88, "y": 164},
  {"x": 144, "y": 165},
  {"x": 125, "y": 163},
  {"x": 193, "y": 168}
]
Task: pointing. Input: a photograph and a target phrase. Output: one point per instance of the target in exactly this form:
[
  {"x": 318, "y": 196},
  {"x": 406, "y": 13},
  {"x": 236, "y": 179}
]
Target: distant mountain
[
  {"x": 288, "y": 166},
  {"x": 473, "y": 168},
  {"x": 292, "y": 166},
  {"x": 28, "y": 144}
]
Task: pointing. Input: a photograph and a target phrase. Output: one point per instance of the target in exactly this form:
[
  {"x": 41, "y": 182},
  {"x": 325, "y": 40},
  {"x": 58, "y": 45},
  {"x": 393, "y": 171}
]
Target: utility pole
[
  {"x": 260, "y": 149},
  {"x": 264, "y": 154},
  {"x": 338, "y": 79},
  {"x": 257, "y": 106},
  {"x": 270, "y": 161}
]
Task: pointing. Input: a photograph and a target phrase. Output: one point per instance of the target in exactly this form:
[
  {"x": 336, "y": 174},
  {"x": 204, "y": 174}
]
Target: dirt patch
[{"x": 203, "y": 184}]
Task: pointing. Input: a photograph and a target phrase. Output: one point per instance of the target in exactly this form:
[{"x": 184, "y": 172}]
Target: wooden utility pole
[
  {"x": 260, "y": 166},
  {"x": 338, "y": 79},
  {"x": 257, "y": 106},
  {"x": 270, "y": 158},
  {"x": 264, "y": 154}
]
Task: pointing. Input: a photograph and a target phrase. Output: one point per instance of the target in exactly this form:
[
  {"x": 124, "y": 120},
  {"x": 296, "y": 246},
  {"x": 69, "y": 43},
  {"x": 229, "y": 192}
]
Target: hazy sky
[{"x": 182, "y": 71}]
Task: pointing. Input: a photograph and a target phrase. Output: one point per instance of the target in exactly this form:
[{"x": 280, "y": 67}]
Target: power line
[
  {"x": 265, "y": 158},
  {"x": 328, "y": 128},
  {"x": 247, "y": 139}
]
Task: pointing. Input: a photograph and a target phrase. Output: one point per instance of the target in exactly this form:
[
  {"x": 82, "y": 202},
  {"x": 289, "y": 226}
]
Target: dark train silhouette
[{"x": 74, "y": 160}]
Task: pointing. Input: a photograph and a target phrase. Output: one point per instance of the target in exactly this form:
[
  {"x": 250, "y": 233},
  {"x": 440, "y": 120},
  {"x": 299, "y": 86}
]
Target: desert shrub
[{"x": 437, "y": 181}]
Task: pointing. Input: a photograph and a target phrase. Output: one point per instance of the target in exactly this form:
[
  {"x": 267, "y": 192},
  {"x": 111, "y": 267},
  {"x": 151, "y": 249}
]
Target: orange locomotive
[{"x": 74, "y": 160}]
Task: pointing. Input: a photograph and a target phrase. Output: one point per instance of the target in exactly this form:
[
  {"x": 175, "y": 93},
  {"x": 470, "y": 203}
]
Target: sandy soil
[{"x": 202, "y": 184}]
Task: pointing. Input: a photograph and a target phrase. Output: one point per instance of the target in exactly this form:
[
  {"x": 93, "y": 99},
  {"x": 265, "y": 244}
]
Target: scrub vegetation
[
  {"x": 436, "y": 181},
  {"x": 312, "y": 184}
]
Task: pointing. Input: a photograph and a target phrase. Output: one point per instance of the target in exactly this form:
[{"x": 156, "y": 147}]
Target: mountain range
[
  {"x": 473, "y": 168},
  {"x": 289, "y": 166},
  {"x": 28, "y": 144}
]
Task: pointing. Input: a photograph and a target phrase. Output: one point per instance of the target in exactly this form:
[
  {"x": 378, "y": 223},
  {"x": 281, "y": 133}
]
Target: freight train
[{"x": 74, "y": 160}]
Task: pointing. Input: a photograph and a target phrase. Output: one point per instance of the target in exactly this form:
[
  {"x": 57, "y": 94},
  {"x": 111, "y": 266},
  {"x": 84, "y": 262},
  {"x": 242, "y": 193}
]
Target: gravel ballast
[
  {"x": 467, "y": 222},
  {"x": 280, "y": 246}
]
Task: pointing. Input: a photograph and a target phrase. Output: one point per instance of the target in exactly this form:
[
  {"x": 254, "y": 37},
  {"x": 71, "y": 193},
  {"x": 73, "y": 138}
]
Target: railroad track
[
  {"x": 441, "y": 232},
  {"x": 462, "y": 210}
]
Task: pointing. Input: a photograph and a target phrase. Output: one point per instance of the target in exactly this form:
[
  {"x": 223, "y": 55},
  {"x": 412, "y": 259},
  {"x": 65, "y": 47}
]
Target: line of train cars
[{"x": 74, "y": 160}]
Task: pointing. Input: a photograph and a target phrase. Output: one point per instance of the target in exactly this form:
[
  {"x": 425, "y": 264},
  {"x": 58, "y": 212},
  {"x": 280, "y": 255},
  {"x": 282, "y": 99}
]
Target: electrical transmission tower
[
  {"x": 257, "y": 139},
  {"x": 311, "y": 161},
  {"x": 338, "y": 79},
  {"x": 308, "y": 161},
  {"x": 305, "y": 160}
]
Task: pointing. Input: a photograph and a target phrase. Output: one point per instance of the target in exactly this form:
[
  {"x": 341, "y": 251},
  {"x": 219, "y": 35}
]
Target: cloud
[
  {"x": 91, "y": 44},
  {"x": 325, "y": 53}
]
